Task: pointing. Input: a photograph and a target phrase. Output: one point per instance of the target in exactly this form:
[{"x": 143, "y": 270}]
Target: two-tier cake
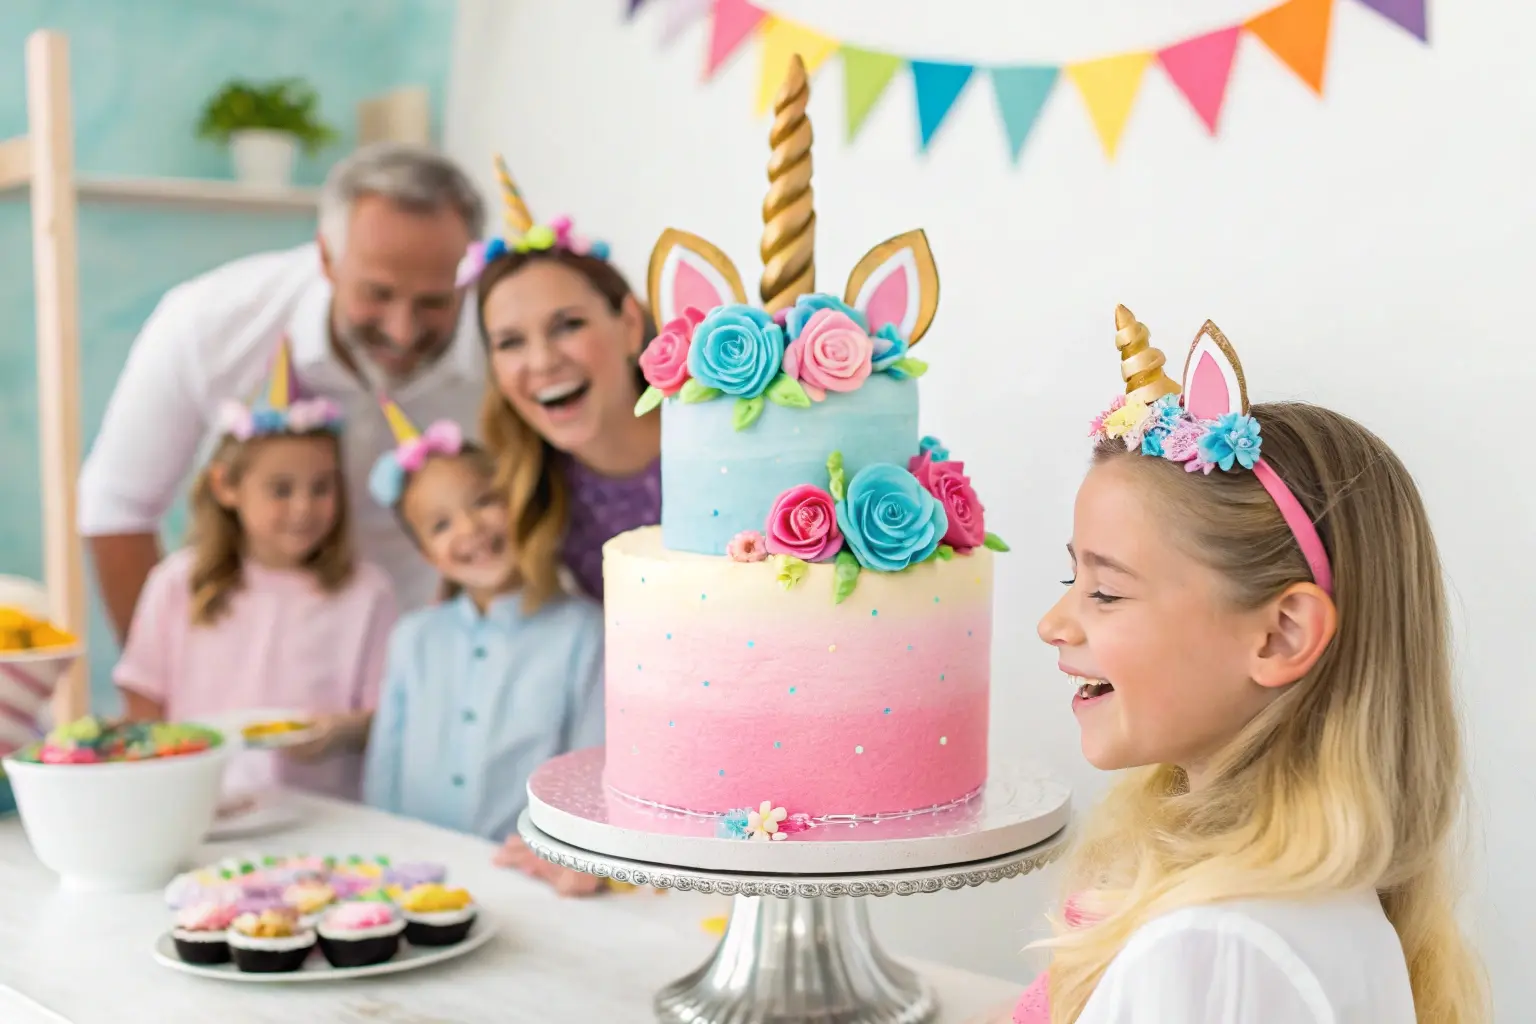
[{"x": 811, "y": 623}]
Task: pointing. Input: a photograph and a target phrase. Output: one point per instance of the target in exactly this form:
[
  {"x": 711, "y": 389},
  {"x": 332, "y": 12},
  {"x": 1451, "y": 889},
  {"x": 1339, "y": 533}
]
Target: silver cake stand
[{"x": 793, "y": 950}]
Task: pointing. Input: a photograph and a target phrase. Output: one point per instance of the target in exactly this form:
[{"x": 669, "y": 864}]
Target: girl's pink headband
[{"x": 1204, "y": 424}]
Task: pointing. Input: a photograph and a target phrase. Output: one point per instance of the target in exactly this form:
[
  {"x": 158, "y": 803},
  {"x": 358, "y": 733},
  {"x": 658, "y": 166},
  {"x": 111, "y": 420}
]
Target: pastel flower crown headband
[
  {"x": 1204, "y": 424},
  {"x": 280, "y": 408},
  {"x": 386, "y": 481},
  {"x": 523, "y": 235}
]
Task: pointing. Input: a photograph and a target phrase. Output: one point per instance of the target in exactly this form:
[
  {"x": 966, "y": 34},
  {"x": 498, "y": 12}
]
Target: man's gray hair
[{"x": 415, "y": 177}]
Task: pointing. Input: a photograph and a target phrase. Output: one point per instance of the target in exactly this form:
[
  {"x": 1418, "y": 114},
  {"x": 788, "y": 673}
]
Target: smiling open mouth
[
  {"x": 561, "y": 395},
  {"x": 1091, "y": 688}
]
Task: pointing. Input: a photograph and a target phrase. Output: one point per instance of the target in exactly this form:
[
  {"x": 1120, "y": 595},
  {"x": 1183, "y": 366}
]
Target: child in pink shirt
[{"x": 267, "y": 608}]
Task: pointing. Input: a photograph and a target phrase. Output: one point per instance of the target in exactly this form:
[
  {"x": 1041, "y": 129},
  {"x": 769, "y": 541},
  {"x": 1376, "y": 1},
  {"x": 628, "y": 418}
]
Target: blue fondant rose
[
  {"x": 736, "y": 349},
  {"x": 888, "y": 520},
  {"x": 808, "y": 305}
]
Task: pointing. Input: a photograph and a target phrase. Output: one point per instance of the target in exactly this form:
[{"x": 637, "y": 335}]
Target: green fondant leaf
[
  {"x": 747, "y": 411},
  {"x": 790, "y": 570},
  {"x": 996, "y": 543},
  {"x": 911, "y": 367},
  {"x": 786, "y": 391},
  {"x": 648, "y": 401},
  {"x": 846, "y": 576},
  {"x": 945, "y": 552},
  {"x": 693, "y": 392},
  {"x": 837, "y": 485}
]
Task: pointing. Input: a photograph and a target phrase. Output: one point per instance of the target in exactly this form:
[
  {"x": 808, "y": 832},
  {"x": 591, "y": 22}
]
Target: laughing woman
[{"x": 563, "y": 333}]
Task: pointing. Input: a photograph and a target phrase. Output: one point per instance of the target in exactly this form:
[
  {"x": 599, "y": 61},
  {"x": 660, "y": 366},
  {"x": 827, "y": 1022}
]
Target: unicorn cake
[{"x": 811, "y": 623}]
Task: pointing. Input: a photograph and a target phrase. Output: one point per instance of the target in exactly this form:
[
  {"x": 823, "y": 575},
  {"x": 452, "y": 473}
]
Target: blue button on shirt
[{"x": 472, "y": 704}]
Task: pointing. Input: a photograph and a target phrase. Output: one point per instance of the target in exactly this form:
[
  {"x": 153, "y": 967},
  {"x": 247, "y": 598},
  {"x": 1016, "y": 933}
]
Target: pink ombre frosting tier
[{"x": 725, "y": 690}]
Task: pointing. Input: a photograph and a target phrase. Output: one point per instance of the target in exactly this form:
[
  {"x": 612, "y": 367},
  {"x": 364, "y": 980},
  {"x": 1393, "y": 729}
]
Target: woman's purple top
[{"x": 603, "y": 507}]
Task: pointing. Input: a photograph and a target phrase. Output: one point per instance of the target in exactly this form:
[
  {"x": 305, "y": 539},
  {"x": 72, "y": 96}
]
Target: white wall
[{"x": 1363, "y": 252}]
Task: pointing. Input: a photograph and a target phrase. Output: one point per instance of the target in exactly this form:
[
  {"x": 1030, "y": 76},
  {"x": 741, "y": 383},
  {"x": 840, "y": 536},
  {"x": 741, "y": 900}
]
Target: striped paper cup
[{"x": 27, "y": 681}]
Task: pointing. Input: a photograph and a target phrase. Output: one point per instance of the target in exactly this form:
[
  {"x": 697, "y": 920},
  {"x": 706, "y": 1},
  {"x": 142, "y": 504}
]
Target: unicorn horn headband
[
  {"x": 386, "y": 481},
  {"x": 523, "y": 235},
  {"x": 1203, "y": 422},
  {"x": 281, "y": 406}
]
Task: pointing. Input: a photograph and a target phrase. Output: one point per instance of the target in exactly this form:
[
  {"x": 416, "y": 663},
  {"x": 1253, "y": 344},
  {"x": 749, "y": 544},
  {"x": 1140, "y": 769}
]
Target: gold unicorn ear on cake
[{"x": 897, "y": 283}]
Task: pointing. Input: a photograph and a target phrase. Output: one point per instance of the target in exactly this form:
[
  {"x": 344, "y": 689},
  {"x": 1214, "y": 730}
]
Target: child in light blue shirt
[{"x": 478, "y": 691}]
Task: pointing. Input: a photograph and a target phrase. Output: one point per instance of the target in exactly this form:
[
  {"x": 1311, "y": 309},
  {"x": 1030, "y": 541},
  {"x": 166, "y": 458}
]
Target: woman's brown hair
[
  {"x": 527, "y": 467},
  {"x": 217, "y": 539}
]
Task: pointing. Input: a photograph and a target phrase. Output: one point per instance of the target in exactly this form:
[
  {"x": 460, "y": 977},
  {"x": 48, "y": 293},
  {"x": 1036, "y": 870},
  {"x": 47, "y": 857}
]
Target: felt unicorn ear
[
  {"x": 1213, "y": 377},
  {"x": 897, "y": 283},
  {"x": 688, "y": 271}
]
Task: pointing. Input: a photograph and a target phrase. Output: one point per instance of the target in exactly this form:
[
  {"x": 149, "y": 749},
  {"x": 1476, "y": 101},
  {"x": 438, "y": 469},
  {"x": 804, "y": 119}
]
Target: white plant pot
[{"x": 263, "y": 158}]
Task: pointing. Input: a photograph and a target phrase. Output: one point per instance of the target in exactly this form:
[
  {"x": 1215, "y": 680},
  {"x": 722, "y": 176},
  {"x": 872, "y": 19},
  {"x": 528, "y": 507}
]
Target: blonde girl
[
  {"x": 267, "y": 607},
  {"x": 1256, "y": 628}
]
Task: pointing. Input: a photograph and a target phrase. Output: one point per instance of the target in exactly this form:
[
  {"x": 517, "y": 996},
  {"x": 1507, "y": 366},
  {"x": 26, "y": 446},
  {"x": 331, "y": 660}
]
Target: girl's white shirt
[{"x": 1333, "y": 960}]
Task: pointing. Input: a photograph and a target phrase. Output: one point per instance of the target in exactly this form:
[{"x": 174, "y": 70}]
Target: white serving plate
[{"x": 316, "y": 968}]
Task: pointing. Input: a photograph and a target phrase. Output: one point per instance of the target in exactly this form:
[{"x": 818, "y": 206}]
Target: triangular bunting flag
[
  {"x": 782, "y": 40},
  {"x": 865, "y": 76},
  {"x": 1297, "y": 33},
  {"x": 1109, "y": 87},
  {"x": 938, "y": 87},
  {"x": 1200, "y": 68},
  {"x": 680, "y": 15},
  {"x": 1021, "y": 93},
  {"x": 1410, "y": 14},
  {"x": 734, "y": 20}
]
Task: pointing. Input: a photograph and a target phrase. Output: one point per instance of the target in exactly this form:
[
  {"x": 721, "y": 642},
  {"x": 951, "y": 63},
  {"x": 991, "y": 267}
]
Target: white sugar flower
[{"x": 763, "y": 823}]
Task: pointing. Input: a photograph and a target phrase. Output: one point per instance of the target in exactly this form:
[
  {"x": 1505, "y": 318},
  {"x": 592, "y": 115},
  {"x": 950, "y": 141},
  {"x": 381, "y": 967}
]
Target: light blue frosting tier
[{"x": 717, "y": 481}]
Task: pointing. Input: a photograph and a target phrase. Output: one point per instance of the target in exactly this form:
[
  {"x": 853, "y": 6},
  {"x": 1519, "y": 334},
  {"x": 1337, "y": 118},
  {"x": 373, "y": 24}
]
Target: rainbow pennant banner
[{"x": 1296, "y": 32}]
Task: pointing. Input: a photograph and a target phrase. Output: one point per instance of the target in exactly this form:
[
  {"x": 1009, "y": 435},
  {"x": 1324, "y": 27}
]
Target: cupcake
[
  {"x": 359, "y": 934},
  {"x": 200, "y": 933},
  {"x": 270, "y": 942},
  {"x": 254, "y": 899},
  {"x": 309, "y": 899},
  {"x": 408, "y": 876},
  {"x": 437, "y": 916}
]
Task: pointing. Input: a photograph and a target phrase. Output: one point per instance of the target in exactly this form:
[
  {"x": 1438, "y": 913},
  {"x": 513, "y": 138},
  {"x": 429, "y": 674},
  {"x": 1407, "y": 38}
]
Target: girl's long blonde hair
[
  {"x": 527, "y": 466},
  {"x": 218, "y": 541},
  {"x": 1352, "y": 778}
]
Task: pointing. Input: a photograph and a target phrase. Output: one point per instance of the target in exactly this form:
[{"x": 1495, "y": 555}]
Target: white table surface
[{"x": 76, "y": 959}]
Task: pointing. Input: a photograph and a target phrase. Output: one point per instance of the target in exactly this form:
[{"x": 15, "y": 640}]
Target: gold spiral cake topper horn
[
  {"x": 516, "y": 214},
  {"x": 789, "y": 215},
  {"x": 1140, "y": 364}
]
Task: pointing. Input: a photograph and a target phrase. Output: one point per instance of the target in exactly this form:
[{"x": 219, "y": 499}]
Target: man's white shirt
[{"x": 212, "y": 339}]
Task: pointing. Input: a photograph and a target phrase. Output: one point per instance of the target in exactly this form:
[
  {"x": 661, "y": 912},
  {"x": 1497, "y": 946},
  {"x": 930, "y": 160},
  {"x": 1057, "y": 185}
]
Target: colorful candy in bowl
[{"x": 118, "y": 807}]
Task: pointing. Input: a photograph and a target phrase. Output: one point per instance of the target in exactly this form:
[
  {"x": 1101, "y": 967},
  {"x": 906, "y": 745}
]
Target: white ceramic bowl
[{"x": 124, "y": 826}]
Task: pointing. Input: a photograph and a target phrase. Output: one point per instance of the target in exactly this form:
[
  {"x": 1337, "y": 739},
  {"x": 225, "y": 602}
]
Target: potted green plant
[{"x": 264, "y": 126}]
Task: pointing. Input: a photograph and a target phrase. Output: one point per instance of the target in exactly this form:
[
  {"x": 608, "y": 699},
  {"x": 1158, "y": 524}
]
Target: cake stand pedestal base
[
  {"x": 798, "y": 959},
  {"x": 799, "y": 947}
]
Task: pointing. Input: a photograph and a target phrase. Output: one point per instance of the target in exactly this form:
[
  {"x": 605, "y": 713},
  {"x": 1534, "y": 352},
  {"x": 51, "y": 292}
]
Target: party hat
[
  {"x": 1140, "y": 364},
  {"x": 399, "y": 424},
  {"x": 516, "y": 215}
]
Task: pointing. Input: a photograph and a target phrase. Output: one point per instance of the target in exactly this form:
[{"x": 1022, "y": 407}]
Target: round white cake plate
[
  {"x": 316, "y": 968},
  {"x": 804, "y": 952}
]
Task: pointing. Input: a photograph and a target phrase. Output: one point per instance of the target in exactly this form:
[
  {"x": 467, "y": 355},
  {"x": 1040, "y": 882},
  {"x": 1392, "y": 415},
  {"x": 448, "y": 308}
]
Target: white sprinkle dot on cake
[
  {"x": 858, "y": 749},
  {"x": 943, "y": 740},
  {"x": 832, "y": 648}
]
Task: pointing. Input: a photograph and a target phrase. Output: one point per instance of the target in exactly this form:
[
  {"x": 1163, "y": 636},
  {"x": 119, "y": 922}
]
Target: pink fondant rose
[
  {"x": 803, "y": 524},
  {"x": 665, "y": 360},
  {"x": 947, "y": 482},
  {"x": 831, "y": 353}
]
